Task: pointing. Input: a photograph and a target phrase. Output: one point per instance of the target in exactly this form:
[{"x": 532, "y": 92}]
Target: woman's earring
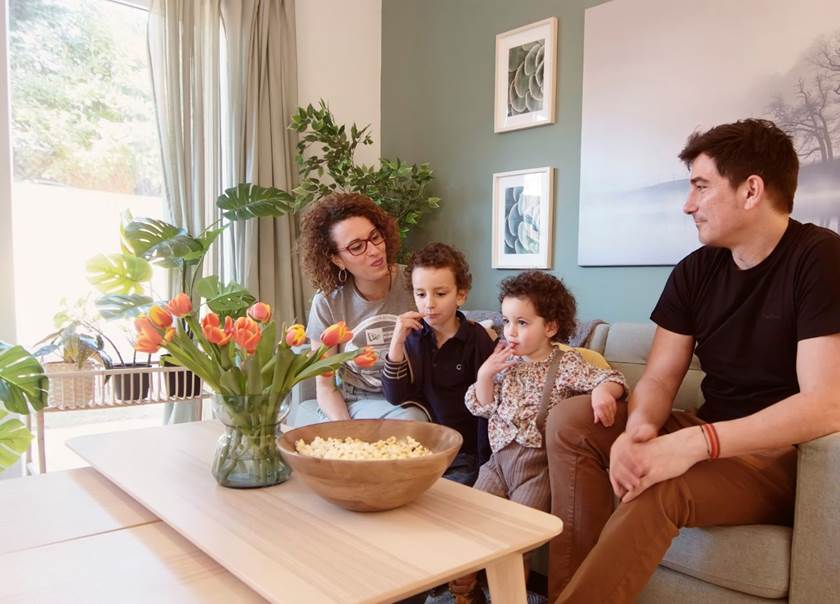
[{"x": 342, "y": 275}]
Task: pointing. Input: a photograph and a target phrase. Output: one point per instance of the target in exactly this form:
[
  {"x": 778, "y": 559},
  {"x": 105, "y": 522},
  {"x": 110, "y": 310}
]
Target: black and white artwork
[
  {"x": 522, "y": 218},
  {"x": 649, "y": 83},
  {"x": 525, "y": 76}
]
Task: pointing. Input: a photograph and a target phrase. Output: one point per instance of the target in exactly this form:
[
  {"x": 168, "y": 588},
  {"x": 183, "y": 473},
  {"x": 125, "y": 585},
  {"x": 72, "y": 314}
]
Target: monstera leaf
[
  {"x": 248, "y": 200},
  {"x": 230, "y": 299},
  {"x": 118, "y": 273},
  {"x": 14, "y": 439},
  {"x": 121, "y": 306},
  {"x": 22, "y": 380},
  {"x": 161, "y": 243}
]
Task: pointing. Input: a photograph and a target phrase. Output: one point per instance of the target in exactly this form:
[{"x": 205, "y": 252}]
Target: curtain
[
  {"x": 223, "y": 105},
  {"x": 262, "y": 90}
]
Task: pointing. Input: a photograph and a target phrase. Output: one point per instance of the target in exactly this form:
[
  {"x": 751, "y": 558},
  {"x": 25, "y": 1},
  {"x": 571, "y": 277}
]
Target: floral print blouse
[{"x": 517, "y": 396}]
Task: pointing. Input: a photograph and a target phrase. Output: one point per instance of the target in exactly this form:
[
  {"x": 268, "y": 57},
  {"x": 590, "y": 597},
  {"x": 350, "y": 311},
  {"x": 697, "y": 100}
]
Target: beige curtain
[
  {"x": 262, "y": 91},
  {"x": 223, "y": 106}
]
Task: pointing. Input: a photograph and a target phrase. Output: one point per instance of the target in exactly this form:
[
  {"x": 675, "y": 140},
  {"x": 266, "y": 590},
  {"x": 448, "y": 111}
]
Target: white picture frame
[
  {"x": 526, "y": 67},
  {"x": 523, "y": 218}
]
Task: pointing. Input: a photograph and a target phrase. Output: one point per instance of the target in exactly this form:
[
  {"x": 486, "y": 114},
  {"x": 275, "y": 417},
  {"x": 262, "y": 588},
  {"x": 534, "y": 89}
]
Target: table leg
[
  {"x": 42, "y": 449},
  {"x": 506, "y": 579}
]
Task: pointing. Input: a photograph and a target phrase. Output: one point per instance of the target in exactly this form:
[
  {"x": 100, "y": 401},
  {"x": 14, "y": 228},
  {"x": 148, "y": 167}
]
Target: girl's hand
[
  {"x": 496, "y": 362},
  {"x": 406, "y": 322},
  {"x": 604, "y": 405}
]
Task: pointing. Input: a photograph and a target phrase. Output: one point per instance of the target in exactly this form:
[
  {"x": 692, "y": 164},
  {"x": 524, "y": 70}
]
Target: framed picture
[
  {"x": 525, "y": 76},
  {"x": 523, "y": 212}
]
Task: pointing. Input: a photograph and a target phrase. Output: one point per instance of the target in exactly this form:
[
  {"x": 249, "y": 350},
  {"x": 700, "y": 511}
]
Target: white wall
[
  {"x": 7, "y": 299},
  {"x": 340, "y": 59}
]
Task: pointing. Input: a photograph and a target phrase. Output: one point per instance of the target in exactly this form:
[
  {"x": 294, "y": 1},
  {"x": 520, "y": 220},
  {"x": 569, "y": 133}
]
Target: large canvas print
[{"x": 648, "y": 83}]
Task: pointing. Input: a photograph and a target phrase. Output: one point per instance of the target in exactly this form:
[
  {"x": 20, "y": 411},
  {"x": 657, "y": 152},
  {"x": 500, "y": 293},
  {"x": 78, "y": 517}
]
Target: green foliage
[
  {"x": 325, "y": 164},
  {"x": 125, "y": 278},
  {"x": 23, "y": 386},
  {"x": 82, "y": 110}
]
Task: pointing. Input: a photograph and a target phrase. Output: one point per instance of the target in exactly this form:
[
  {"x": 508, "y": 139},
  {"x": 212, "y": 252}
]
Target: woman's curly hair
[
  {"x": 548, "y": 294},
  {"x": 440, "y": 255},
  {"x": 316, "y": 243}
]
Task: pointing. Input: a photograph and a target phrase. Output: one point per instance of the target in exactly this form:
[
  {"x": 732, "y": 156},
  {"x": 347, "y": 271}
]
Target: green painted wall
[{"x": 437, "y": 106}]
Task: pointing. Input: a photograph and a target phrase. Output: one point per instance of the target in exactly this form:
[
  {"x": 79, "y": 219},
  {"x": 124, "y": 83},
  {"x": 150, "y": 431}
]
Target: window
[{"x": 85, "y": 146}]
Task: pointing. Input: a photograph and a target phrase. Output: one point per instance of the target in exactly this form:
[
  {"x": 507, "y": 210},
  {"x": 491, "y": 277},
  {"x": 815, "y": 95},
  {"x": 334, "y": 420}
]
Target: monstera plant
[
  {"x": 23, "y": 387},
  {"x": 125, "y": 278}
]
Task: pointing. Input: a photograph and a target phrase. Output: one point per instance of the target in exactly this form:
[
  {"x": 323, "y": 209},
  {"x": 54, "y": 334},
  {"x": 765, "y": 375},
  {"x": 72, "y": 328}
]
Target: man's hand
[
  {"x": 626, "y": 462},
  {"x": 664, "y": 457}
]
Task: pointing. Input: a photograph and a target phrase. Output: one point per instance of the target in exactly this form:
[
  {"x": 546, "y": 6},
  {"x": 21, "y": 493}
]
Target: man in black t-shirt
[{"x": 760, "y": 306}]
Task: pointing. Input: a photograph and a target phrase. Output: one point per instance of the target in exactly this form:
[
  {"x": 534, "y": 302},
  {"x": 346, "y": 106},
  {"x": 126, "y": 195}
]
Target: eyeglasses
[{"x": 359, "y": 246}]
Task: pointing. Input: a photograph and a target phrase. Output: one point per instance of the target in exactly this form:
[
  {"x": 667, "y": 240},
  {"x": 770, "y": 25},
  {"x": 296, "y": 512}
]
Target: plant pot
[
  {"x": 130, "y": 387},
  {"x": 246, "y": 454},
  {"x": 181, "y": 384},
  {"x": 69, "y": 391}
]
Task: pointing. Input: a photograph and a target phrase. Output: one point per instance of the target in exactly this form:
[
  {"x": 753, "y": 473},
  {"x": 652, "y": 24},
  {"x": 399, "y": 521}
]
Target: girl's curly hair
[
  {"x": 440, "y": 255},
  {"x": 548, "y": 294},
  {"x": 316, "y": 243}
]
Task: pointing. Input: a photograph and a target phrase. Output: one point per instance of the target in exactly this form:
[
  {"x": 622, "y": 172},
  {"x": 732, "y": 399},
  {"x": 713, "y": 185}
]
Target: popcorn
[{"x": 355, "y": 449}]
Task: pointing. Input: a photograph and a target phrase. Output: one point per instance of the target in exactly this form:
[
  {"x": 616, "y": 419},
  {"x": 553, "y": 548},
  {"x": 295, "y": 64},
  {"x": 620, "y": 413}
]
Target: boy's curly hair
[
  {"x": 440, "y": 255},
  {"x": 316, "y": 244},
  {"x": 548, "y": 294}
]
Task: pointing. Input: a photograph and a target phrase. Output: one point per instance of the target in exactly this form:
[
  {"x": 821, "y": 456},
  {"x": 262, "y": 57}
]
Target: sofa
[{"x": 738, "y": 564}]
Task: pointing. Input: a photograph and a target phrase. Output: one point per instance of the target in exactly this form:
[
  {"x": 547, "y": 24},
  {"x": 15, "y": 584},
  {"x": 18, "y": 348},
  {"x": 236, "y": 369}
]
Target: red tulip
[
  {"x": 336, "y": 334},
  {"x": 160, "y": 316},
  {"x": 295, "y": 335},
  {"x": 367, "y": 358},
  {"x": 180, "y": 305},
  {"x": 260, "y": 312},
  {"x": 246, "y": 334}
]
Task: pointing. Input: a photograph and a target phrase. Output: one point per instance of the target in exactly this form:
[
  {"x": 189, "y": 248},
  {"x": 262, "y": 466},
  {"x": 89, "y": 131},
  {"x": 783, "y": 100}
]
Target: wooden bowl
[{"x": 372, "y": 485}]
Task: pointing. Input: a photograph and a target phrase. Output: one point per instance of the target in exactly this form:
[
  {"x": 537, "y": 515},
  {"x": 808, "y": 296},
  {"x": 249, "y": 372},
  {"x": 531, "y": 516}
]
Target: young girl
[{"x": 538, "y": 311}]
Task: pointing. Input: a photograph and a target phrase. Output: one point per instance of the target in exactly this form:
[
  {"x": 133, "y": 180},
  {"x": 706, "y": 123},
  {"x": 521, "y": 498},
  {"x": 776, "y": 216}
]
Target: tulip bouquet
[{"x": 250, "y": 374}]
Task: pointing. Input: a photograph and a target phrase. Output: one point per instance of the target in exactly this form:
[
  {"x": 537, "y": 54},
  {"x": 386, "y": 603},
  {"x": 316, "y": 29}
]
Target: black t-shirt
[{"x": 747, "y": 323}]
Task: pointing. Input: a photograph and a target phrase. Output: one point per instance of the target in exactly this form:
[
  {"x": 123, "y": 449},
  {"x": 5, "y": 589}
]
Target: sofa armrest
[{"x": 816, "y": 532}]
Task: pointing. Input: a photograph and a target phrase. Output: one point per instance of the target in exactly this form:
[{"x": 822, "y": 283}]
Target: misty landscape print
[{"x": 631, "y": 204}]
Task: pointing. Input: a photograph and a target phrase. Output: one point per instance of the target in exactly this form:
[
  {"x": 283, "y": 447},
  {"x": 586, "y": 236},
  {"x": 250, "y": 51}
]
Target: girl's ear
[{"x": 551, "y": 329}]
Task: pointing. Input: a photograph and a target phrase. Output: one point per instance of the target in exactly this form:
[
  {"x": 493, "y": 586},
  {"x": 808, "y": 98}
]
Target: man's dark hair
[
  {"x": 440, "y": 255},
  {"x": 548, "y": 294},
  {"x": 750, "y": 147}
]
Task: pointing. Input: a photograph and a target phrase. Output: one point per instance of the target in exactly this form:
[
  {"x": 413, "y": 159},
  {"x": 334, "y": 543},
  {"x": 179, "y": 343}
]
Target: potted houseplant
[
  {"x": 250, "y": 375},
  {"x": 23, "y": 387},
  {"x": 325, "y": 162}
]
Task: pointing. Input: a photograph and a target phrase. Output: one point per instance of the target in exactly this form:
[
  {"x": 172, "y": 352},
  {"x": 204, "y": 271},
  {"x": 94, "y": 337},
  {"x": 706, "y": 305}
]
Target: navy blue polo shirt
[{"x": 438, "y": 378}]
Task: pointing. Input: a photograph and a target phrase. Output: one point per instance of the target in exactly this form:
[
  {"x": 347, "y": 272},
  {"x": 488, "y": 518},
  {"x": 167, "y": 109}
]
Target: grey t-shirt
[{"x": 372, "y": 324}]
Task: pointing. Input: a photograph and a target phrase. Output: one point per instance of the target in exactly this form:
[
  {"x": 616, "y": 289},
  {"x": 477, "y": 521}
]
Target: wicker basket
[{"x": 67, "y": 391}]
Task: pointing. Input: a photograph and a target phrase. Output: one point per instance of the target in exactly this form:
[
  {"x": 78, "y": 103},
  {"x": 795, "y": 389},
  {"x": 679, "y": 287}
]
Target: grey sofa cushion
[
  {"x": 670, "y": 587},
  {"x": 753, "y": 559}
]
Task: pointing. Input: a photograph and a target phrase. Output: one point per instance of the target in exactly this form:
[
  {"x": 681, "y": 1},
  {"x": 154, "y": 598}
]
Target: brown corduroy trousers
[{"x": 607, "y": 554}]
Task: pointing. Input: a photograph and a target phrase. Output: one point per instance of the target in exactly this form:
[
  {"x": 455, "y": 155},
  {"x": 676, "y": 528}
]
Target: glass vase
[{"x": 246, "y": 454}]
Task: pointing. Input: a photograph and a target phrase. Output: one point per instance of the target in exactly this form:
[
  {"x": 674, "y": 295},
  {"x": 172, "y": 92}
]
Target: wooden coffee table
[{"x": 288, "y": 545}]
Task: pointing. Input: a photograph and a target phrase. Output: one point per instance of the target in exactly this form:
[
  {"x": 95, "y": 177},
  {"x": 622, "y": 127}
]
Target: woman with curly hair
[
  {"x": 519, "y": 383},
  {"x": 349, "y": 247}
]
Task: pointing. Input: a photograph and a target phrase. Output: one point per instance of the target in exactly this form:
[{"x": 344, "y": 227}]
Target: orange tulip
[
  {"x": 246, "y": 334},
  {"x": 328, "y": 374},
  {"x": 260, "y": 312},
  {"x": 367, "y": 358},
  {"x": 160, "y": 316},
  {"x": 336, "y": 334},
  {"x": 148, "y": 342},
  {"x": 212, "y": 332},
  {"x": 168, "y": 335},
  {"x": 142, "y": 323},
  {"x": 180, "y": 305},
  {"x": 295, "y": 335}
]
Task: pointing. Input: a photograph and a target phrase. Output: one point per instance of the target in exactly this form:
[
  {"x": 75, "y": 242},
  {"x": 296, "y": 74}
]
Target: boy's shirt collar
[{"x": 461, "y": 334}]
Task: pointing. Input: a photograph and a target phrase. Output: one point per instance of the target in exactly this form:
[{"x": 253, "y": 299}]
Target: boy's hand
[
  {"x": 496, "y": 362},
  {"x": 604, "y": 405},
  {"x": 406, "y": 322}
]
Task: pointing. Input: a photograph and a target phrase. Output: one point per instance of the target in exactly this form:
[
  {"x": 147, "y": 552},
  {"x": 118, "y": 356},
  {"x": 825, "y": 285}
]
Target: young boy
[{"x": 435, "y": 353}]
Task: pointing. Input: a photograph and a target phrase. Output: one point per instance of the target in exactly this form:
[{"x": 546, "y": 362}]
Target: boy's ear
[{"x": 461, "y": 297}]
